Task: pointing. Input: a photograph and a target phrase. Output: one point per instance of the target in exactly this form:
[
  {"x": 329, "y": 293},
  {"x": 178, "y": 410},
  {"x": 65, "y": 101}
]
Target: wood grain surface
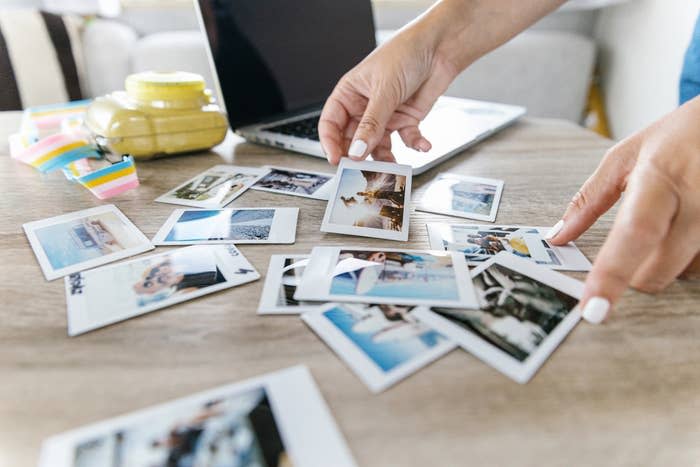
[{"x": 625, "y": 393}]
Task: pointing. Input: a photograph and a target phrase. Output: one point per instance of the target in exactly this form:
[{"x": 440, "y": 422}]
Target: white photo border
[
  {"x": 374, "y": 166},
  {"x": 521, "y": 372},
  {"x": 282, "y": 231},
  {"x": 50, "y": 273},
  {"x": 273, "y": 282}
]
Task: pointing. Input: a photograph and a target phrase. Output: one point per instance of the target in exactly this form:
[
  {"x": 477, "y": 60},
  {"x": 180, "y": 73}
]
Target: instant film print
[
  {"x": 84, "y": 239},
  {"x": 387, "y": 276},
  {"x": 278, "y": 419},
  {"x": 370, "y": 199},
  {"x": 480, "y": 243},
  {"x": 242, "y": 225},
  {"x": 526, "y": 312}
]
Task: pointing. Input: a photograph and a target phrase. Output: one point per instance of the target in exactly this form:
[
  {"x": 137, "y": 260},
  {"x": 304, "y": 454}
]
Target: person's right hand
[{"x": 392, "y": 89}]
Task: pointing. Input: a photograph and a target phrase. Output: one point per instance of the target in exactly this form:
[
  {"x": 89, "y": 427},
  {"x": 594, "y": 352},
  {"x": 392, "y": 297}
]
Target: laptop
[{"x": 277, "y": 61}]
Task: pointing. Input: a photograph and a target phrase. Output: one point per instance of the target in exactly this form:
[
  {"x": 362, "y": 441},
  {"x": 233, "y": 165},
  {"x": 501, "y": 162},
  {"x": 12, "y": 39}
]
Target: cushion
[{"x": 40, "y": 59}]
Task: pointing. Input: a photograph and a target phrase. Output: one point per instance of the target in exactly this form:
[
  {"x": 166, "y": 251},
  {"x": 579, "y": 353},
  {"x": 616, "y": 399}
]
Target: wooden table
[{"x": 625, "y": 393}]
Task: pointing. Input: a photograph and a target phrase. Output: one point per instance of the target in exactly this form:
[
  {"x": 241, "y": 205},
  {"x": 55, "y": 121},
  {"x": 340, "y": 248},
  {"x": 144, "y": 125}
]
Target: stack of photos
[
  {"x": 370, "y": 199},
  {"x": 382, "y": 343},
  {"x": 283, "y": 276},
  {"x": 457, "y": 195},
  {"x": 242, "y": 225},
  {"x": 215, "y": 187},
  {"x": 275, "y": 420},
  {"x": 479, "y": 243},
  {"x": 106, "y": 295},
  {"x": 286, "y": 181},
  {"x": 387, "y": 276},
  {"x": 84, "y": 239},
  {"x": 526, "y": 312}
]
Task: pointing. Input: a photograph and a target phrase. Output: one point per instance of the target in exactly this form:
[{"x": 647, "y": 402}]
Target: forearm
[{"x": 461, "y": 31}]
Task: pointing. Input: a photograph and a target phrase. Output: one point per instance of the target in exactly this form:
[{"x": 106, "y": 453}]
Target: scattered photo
[
  {"x": 283, "y": 277},
  {"x": 479, "y": 243},
  {"x": 274, "y": 420},
  {"x": 117, "y": 292},
  {"x": 215, "y": 187},
  {"x": 383, "y": 344},
  {"x": 387, "y": 276},
  {"x": 238, "y": 225},
  {"x": 287, "y": 181},
  {"x": 457, "y": 195},
  {"x": 370, "y": 199},
  {"x": 84, "y": 239},
  {"x": 526, "y": 311}
]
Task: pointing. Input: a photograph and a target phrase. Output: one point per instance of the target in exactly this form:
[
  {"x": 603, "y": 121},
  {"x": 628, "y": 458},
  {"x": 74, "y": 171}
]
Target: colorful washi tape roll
[{"x": 70, "y": 149}]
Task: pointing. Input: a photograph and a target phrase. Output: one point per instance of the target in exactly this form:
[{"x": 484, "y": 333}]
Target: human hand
[
  {"x": 392, "y": 89},
  {"x": 656, "y": 234}
]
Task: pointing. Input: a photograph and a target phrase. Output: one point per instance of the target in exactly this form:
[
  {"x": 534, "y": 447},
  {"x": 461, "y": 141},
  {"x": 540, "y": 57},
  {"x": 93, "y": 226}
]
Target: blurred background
[{"x": 612, "y": 66}]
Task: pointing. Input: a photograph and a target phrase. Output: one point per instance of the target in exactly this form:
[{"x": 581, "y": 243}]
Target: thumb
[
  {"x": 370, "y": 130},
  {"x": 598, "y": 194}
]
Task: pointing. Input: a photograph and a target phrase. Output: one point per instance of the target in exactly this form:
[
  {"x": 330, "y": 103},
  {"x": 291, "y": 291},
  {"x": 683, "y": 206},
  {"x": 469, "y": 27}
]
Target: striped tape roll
[
  {"x": 106, "y": 182},
  {"x": 69, "y": 149}
]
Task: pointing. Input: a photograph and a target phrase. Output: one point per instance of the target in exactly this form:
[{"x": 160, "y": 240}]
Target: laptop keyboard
[{"x": 306, "y": 129}]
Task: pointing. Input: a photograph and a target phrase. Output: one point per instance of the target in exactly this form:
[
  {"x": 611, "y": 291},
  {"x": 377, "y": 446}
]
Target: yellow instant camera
[{"x": 158, "y": 114}]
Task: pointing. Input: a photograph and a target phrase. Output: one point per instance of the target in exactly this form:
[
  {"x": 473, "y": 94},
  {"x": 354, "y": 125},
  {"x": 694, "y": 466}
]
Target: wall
[{"x": 642, "y": 44}]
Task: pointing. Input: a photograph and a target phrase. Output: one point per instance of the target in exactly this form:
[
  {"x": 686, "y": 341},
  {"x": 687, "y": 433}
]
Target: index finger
[
  {"x": 331, "y": 126},
  {"x": 643, "y": 221}
]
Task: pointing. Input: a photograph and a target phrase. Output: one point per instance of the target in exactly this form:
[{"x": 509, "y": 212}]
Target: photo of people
[
  {"x": 397, "y": 274},
  {"x": 177, "y": 274},
  {"x": 517, "y": 312},
  {"x": 293, "y": 182},
  {"x": 369, "y": 199},
  {"x": 235, "y": 431},
  {"x": 388, "y": 334},
  {"x": 479, "y": 244},
  {"x": 86, "y": 238},
  {"x": 222, "y": 224}
]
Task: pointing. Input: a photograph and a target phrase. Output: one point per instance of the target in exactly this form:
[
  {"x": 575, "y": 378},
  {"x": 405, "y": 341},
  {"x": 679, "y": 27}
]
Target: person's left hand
[{"x": 656, "y": 235}]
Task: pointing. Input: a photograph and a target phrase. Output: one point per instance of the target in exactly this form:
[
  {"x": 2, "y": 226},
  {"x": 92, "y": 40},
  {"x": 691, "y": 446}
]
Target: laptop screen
[{"x": 278, "y": 57}]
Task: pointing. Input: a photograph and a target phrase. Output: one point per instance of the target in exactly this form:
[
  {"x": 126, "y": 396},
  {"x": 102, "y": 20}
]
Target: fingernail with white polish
[
  {"x": 357, "y": 148},
  {"x": 556, "y": 228},
  {"x": 596, "y": 310}
]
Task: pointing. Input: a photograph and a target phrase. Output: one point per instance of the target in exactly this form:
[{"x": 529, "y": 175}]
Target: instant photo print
[
  {"x": 370, "y": 199},
  {"x": 526, "y": 312},
  {"x": 233, "y": 225},
  {"x": 304, "y": 183},
  {"x": 278, "y": 419},
  {"x": 457, "y": 195},
  {"x": 84, "y": 239},
  {"x": 382, "y": 344},
  {"x": 114, "y": 293},
  {"x": 215, "y": 187},
  {"x": 387, "y": 276},
  {"x": 283, "y": 277},
  {"x": 480, "y": 243}
]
